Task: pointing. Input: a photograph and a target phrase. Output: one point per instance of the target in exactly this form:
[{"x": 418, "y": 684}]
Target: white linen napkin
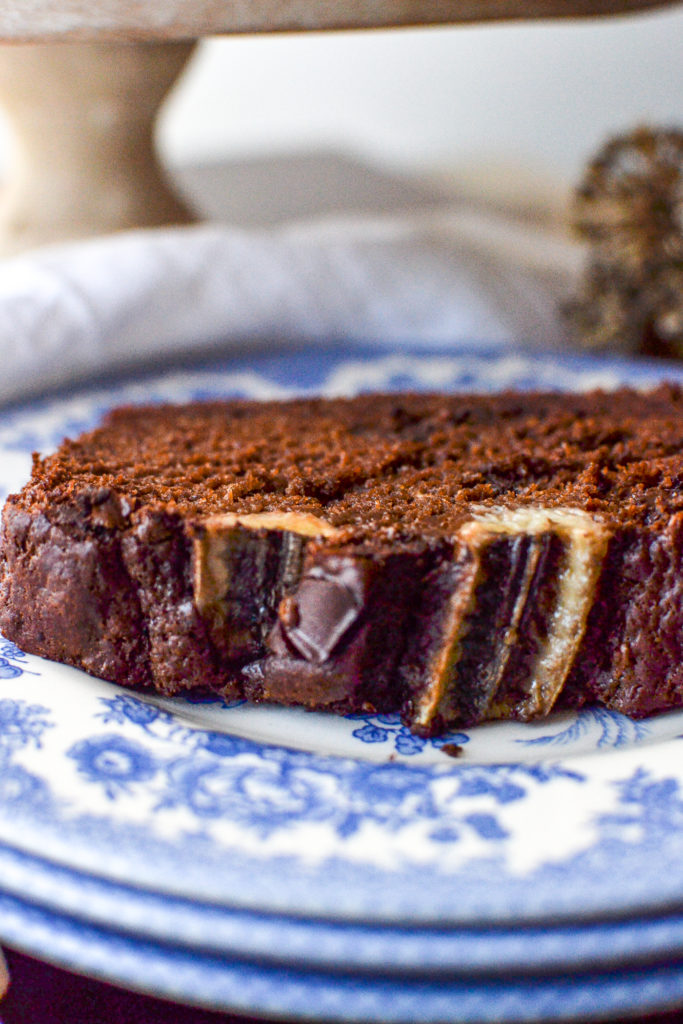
[{"x": 441, "y": 278}]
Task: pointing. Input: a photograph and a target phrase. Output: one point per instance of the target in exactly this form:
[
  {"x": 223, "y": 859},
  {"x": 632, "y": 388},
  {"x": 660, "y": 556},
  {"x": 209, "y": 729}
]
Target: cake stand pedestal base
[{"x": 84, "y": 163}]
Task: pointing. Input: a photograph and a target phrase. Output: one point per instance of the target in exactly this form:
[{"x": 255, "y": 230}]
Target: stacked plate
[{"x": 269, "y": 861}]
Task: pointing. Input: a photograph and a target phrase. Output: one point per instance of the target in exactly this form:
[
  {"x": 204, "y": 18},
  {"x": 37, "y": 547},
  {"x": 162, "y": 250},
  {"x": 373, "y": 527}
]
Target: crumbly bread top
[{"x": 411, "y": 463}]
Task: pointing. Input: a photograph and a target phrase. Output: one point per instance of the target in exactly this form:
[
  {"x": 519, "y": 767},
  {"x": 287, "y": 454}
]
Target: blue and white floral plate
[
  {"x": 338, "y": 842},
  {"x": 342, "y": 996}
]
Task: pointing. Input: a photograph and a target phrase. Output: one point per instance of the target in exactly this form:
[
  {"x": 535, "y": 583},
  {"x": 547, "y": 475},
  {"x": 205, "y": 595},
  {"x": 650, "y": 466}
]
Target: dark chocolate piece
[{"x": 327, "y": 603}]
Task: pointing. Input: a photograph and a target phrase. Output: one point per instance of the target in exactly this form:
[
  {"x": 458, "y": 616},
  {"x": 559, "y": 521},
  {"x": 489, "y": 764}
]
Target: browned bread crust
[{"x": 454, "y": 557}]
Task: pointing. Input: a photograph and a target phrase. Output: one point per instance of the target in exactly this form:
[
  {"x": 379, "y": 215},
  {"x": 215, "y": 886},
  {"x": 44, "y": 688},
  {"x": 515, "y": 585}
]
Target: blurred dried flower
[{"x": 629, "y": 208}]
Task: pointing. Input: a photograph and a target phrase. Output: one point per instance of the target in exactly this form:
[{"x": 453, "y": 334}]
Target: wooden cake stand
[{"x": 83, "y": 111}]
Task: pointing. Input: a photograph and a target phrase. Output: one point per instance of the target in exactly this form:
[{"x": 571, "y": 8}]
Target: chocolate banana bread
[{"x": 454, "y": 557}]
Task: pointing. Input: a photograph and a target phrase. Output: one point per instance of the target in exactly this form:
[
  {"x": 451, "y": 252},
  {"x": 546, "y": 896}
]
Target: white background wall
[{"x": 521, "y": 99}]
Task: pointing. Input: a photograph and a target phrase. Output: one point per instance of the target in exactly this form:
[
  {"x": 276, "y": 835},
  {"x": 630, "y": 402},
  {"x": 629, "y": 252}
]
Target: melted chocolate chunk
[{"x": 326, "y": 604}]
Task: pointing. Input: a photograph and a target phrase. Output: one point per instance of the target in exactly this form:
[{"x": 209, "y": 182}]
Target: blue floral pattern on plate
[{"x": 12, "y": 660}]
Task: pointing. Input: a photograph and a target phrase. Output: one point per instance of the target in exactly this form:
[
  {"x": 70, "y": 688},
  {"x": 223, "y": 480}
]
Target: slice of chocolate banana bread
[{"x": 454, "y": 557}]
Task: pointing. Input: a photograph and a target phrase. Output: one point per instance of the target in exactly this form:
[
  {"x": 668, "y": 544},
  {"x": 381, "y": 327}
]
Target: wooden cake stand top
[{"x": 46, "y": 20}]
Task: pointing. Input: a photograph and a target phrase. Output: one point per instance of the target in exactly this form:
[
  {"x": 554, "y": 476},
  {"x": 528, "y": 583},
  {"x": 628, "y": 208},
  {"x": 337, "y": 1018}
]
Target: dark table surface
[{"x": 40, "y": 994}]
